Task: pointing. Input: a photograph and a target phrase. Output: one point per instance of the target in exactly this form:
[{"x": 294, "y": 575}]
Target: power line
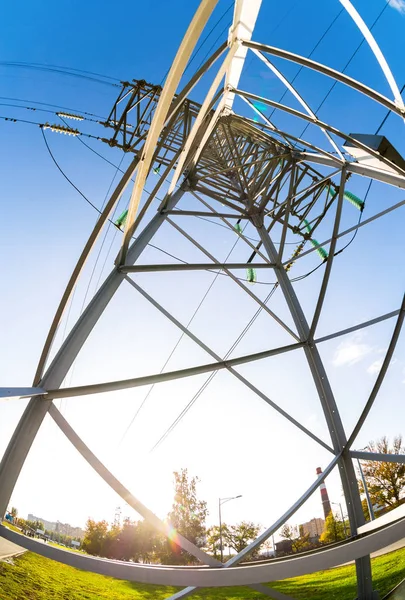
[
  {"x": 73, "y": 69},
  {"x": 65, "y": 176},
  {"x": 47, "y": 110},
  {"x": 58, "y": 71},
  {"x": 53, "y": 105}
]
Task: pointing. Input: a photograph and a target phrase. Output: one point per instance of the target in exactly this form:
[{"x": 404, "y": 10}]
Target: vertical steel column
[
  {"x": 30, "y": 422},
  {"x": 334, "y": 422}
]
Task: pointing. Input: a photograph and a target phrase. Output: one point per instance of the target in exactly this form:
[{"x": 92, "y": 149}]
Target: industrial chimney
[{"x": 324, "y": 495}]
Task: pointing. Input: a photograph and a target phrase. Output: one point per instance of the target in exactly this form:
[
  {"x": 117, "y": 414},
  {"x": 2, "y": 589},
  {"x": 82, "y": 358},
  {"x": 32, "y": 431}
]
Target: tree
[
  {"x": 287, "y": 532},
  {"x": 187, "y": 516},
  {"x": 110, "y": 547},
  {"x": 299, "y": 543},
  {"x": 385, "y": 480},
  {"x": 334, "y": 530},
  {"x": 213, "y": 541},
  {"x": 95, "y": 537},
  {"x": 14, "y": 512},
  {"x": 239, "y": 536}
]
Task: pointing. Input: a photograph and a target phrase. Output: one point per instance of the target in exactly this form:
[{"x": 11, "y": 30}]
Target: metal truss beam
[
  {"x": 353, "y": 167},
  {"x": 350, "y": 229},
  {"x": 330, "y": 258},
  {"x": 192, "y": 267},
  {"x": 374, "y": 321},
  {"x": 232, "y": 228},
  {"x": 20, "y": 392},
  {"x": 244, "y": 20},
  {"x": 235, "y": 279},
  {"x": 123, "y": 384},
  {"x": 378, "y": 456},
  {"x": 229, "y": 363},
  {"x": 335, "y": 426},
  {"x": 202, "y": 213}
]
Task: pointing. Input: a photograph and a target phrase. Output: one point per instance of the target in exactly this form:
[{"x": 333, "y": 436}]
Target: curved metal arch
[
  {"x": 368, "y": 36},
  {"x": 218, "y": 577},
  {"x": 321, "y": 68},
  {"x": 34, "y": 413},
  {"x": 179, "y": 64}
]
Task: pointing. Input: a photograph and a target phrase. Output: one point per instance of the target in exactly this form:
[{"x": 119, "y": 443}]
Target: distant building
[
  {"x": 313, "y": 528},
  {"x": 62, "y": 528},
  {"x": 283, "y": 547}
]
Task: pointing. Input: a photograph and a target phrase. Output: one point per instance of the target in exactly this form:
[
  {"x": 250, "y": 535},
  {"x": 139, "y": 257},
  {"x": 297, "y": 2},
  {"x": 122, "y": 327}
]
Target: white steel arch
[{"x": 244, "y": 166}]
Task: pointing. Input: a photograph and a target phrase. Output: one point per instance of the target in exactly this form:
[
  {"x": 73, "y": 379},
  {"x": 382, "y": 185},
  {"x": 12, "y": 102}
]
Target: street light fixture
[
  {"x": 222, "y": 501},
  {"x": 341, "y": 512}
]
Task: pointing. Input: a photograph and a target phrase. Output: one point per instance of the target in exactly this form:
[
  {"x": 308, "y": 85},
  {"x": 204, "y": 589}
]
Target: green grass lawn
[
  {"x": 11, "y": 526},
  {"x": 33, "y": 577}
]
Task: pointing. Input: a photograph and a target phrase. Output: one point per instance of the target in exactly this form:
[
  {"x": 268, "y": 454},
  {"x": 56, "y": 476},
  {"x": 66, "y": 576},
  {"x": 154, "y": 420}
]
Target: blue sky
[{"x": 230, "y": 438}]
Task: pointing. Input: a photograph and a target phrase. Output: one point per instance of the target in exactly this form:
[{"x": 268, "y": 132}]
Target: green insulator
[
  {"x": 321, "y": 251},
  {"x": 251, "y": 275},
  {"x": 354, "y": 200},
  {"x": 332, "y": 191},
  {"x": 156, "y": 170},
  {"x": 307, "y": 226},
  {"x": 120, "y": 222},
  {"x": 238, "y": 228}
]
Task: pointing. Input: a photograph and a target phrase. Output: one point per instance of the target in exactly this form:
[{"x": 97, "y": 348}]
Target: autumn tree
[
  {"x": 95, "y": 537},
  {"x": 334, "y": 530},
  {"x": 187, "y": 516},
  {"x": 385, "y": 480},
  {"x": 239, "y": 536},
  {"x": 213, "y": 541},
  {"x": 299, "y": 543}
]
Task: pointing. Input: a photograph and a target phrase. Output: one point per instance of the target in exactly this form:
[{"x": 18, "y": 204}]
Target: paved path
[
  {"x": 396, "y": 546},
  {"x": 8, "y": 548}
]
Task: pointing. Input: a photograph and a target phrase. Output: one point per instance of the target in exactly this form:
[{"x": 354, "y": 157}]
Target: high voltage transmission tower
[{"x": 238, "y": 170}]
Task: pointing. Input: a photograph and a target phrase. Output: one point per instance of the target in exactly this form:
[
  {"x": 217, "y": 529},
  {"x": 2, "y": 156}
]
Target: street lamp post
[
  {"x": 341, "y": 512},
  {"x": 370, "y": 506},
  {"x": 222, "y": 501}
]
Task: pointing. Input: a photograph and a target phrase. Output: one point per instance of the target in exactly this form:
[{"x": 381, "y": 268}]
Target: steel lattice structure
[{"x": 239, "y": 170}]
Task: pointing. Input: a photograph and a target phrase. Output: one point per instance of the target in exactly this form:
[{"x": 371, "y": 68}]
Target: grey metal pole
[
  {"x": 220, "y": 531},
  {"x": 343, "y": 520},
  {"x": 341, "y": 514},
  {"x": 335, "y": 425},
  {"x": 220, "y": 502},
  {"x": 363, "y": 479}
]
